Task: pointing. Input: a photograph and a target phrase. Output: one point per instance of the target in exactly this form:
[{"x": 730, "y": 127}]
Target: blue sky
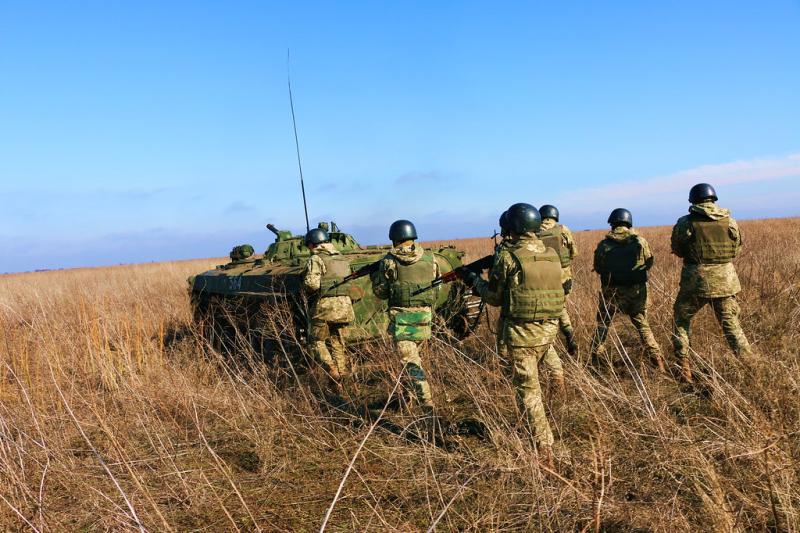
[{"x": 139, "y": 131}]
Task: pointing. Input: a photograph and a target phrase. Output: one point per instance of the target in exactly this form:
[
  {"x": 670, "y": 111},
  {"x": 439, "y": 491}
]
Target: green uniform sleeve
[
  {"x": 646, "y": 255},
  {"x": 681, "y": 236},
  {"x": 383, "y": 278},
  {"x": 736, "y": 234},
  {"x": 315, "y": 268},
  {"x": 569, "y": 242},
  {"x": 599, "y": 258}
]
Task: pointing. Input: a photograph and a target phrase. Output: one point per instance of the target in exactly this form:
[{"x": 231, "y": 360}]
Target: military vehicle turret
[{"x": 240, "y": 301}]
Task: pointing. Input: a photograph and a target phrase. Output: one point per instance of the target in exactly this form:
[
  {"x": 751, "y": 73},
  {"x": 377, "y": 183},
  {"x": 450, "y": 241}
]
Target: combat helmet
[
  {"x": 402, "y": 230},
  {"x": 702, "y": 192},
  {"x": 620, "y": 217},
  {"x": 316, "y": 236},
  {"x": 504, "y": 227},
  {"x": 549, "y": 211},
  {"x": 524, "y": 218}
]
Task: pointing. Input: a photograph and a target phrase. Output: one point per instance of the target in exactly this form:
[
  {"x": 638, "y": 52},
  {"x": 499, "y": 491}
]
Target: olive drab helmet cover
[
  {"x": 524, "y": 218},
  {"x": 402, "y": 230},
  {"x": 316, "y": 236},
  {"x": 702, "y": 192},
  {"x": 549, "y": 211},
  {"x": 620, "y": 217}
]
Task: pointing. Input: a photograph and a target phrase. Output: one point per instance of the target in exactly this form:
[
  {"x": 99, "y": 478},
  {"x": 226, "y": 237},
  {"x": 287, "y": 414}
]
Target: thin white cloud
[{"x": 736, "y": 172}]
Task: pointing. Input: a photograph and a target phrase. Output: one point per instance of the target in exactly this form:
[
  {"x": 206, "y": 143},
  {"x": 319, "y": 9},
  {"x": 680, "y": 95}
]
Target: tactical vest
[
  {"x": 539, "y": 295},
  {"x": 554, "y": 238},
  {"x": 620, "y": 260},
  {"x": 336, "y": 268},
  {"x": 410, "y": 279},
  {"x": 712, "y": 243}
]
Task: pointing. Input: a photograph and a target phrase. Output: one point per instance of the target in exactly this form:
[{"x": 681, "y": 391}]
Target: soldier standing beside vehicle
[
  {"x": 708, "y": 240},
  {"x": 404, "y": 272},
  {"x": 331, "y": 308},
  {"x": 559, "y": 238},
  {"x": 525, "y": 282},
  {"x": 622, "y": 260}
]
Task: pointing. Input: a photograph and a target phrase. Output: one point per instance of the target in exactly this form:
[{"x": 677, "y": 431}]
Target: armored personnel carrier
[{"x": 259, "y": 300}]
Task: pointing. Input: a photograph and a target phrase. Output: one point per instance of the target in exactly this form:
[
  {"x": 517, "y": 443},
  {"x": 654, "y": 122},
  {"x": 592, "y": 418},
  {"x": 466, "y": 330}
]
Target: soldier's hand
[
  {"x": 567, "y": 286},
  {"x": 470, "y": 278}
]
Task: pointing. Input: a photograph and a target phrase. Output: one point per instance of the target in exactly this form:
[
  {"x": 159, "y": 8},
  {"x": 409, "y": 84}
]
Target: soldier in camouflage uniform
[
  {"x": 551, "y": 359},
  {"x": 406, "y": 269},
  {"x": 559, "y": 238},
  {"x": 331, "y": 310},
  {"x": 707, "y": 239},
  {"x": 622, "y": 260},
  {"x": 526, "y": 282}
]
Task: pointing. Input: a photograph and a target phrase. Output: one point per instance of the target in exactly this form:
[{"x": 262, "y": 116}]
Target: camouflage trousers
[
  {"x": 726, "y": 309},
  {"x": 564, "y": 321},
  {"x": 631, "y": 301},
  {"x": 551, "y": 359},
  {"x": 328, "y": 347},
  {"x": 525, "y": 365},
  {"x": 409, "y": 352}
]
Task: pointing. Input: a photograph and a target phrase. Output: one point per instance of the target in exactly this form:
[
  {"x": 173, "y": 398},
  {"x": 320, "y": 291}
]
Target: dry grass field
[{"x": 114, "y": 416}]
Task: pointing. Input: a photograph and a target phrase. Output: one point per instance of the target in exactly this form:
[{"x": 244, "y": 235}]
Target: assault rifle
[
  {"x": 365, "y": 270},
  {"x": 458, "y": 273}
]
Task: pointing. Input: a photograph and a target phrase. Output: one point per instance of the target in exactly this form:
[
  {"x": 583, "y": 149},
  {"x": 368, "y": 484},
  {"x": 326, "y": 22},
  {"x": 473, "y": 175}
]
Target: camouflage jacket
[
  {"x": 504, "y": 275},
  {"x": 338, "y": 309},
  {"x": 706, "y": 281},
  {"x": 568, "y": 241},
  {"x": 387, "y": 273},
  {"x": 622, "y": 234}
]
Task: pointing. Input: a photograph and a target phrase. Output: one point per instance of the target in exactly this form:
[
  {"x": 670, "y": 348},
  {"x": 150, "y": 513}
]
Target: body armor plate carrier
[
  {"x": 554, "y": 238},
  {"x": 336, "y": 268},
  {"x": 410, "y": 279},
  {"x": 621, "y": 258},
  {"x": 712, "y": 243},
  {"x": 539, "y": 295}
]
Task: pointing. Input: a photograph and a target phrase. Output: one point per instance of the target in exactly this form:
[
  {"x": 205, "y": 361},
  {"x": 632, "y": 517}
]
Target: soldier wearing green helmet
[
  {"x": 622, "y": 260},
  {"x": 525, "y": 281},
  {"x": 406, "y": 269},
  {"x": 331, "y": 307},
  {"x": 708, "y": 239}
]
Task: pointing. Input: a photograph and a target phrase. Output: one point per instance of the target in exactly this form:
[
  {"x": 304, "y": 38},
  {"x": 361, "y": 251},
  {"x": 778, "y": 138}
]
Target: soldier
[
  {"x": 551, "y": 359},
  {"x": 526, "y": 282},
  {"x": 405, "y": 270},
  {"x": 622, "y": 260},
  {"x": 707, "y": 239},
  {"x": 331, "y": 310},
  {"x": 559, "y": 238}
]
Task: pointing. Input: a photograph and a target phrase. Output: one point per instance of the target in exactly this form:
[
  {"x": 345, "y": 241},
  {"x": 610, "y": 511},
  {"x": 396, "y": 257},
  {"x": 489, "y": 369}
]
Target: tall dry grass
[{"x": 115, "y": 416}]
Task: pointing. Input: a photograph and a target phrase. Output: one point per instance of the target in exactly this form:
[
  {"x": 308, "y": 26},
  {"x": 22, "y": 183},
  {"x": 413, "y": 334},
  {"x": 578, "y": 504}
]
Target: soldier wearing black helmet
[
  {"x": 559, "y": 237},
  {"x": 708, "y": 239},
  {"x": 525, "y": 281},
  {"x": 622, "y": 260},
  {"x": 331, "y": 308},
  {"x": 407, "y": 268}
]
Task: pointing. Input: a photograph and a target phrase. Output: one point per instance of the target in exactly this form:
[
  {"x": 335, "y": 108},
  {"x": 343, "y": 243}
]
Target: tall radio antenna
[{"x": 296, "y": 142}]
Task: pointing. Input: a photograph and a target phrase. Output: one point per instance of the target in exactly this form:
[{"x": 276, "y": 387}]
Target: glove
[
  {"x": 567, "y": 286},
  {"x": 470, "y": 278}
]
